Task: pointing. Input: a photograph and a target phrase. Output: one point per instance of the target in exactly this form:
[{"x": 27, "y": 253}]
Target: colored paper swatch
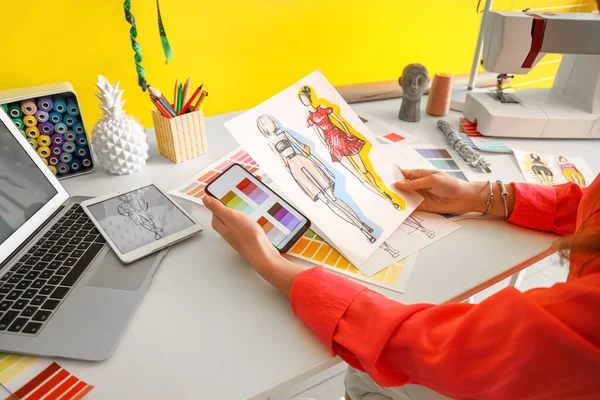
[
  {"x": 251, "y": 190},
  {"x": 39, "y": 378},
  {"x": 442, "y": 160},
  {"x": 283, "y": 216},
  {"x": 193, "y": 189},
  {"x": 311, "y": 247},
  {"x": 234, "y": 201},
  {"x": 480, "y": 142}
]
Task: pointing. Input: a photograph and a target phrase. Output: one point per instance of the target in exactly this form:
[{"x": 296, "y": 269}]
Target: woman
[
  {"x": 309, "y": 173},
  {"x": 541, "y": 170},
  {"x": 570, "y": 171},
  {"x": 343, "y": 147},
  {"x": 542, "y": 344}
]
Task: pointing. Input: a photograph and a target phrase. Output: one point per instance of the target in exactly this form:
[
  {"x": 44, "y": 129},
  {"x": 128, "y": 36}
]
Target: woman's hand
[
  {"x": 443, "y": 193},
  {"x": 247, "y": 238}
]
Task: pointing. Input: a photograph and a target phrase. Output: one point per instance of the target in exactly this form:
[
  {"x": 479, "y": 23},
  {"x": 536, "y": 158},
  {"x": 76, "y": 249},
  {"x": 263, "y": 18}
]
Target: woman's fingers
[
  {"x": 423, "y": 183},
  {"x": 411, "y": 174},
  {"x": 215, "y": 206},
  {"x": 218, "y": 224}
]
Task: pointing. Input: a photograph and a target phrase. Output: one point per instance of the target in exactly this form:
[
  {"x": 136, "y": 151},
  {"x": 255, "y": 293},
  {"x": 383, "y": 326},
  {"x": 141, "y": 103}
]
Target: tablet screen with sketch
[{"x": 140, "y": 217}]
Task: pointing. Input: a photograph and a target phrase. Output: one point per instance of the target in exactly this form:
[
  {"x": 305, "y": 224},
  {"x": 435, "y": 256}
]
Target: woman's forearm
[
  {"x": 280, "y": 273},
  {"x": 481, "y": 192}
]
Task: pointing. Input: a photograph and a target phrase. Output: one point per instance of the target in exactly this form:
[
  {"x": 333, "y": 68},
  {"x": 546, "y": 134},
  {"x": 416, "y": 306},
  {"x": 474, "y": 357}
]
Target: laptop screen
[{"x": 23, "y": 187}]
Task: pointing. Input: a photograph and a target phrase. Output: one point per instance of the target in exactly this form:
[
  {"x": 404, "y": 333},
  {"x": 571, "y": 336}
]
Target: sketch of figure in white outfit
[
  {"x": 414, "y": 223},
  {"x": 137, "y": 211}
]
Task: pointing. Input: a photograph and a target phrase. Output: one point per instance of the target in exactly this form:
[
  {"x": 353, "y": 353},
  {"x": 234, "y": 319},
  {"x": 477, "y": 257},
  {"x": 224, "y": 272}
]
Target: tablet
[{"x": 139, "y": 222}]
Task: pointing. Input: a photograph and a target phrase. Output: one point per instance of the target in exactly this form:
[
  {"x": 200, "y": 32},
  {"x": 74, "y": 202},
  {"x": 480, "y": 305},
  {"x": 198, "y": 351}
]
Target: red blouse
[{"x": 540, "y": 344}]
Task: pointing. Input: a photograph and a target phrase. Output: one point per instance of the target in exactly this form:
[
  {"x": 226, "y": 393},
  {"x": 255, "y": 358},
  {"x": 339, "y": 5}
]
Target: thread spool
[
  {"x": 78, "y": 128},
  {"x": 52, "y": 168},
  {"x": 69, "y": 120},
  {"x": 4, "y": 107},
  {"x": 45, "y": 103},
  {"x": 70, "y": 136},
  {"x": 46, "y": 128},
  {"x": 81, "y": 151},
  {"x": 56, "y": 149},
  {"x": 86, "y": 162},
  {"x": 55, "y": 117},
  {"x": 22, "y": 132},
  {"x": 58, "y": 139},
  {"x": 438, "y": 103},
  {"x": 81, "y": 140},
  {"x": 29, "y": 120},
  {"x": 41, "y": 116},
  {"x": 14, "y": 110},
  {"x": 72, "y": 107},
  {"x": 66, "y": 157},
  {"x": 75, "y": 165},
  {"x": 59, "y": 103},
  {"x": 28, "y": 107},
  {"x": 60, "y": 128},
  {"x": 18, "y": 123},
  {"x": 43, "y": 151},
  {"x": 32, "y": 132},
  {"x": 53, "y": 160},
  {"x": 33, "y": 143},
  {"x": 69, "y": 147},
  {"x": 62, "y": 168},
  {"x": 44, "y": 140},
  {"x": 45, "y": 161}
]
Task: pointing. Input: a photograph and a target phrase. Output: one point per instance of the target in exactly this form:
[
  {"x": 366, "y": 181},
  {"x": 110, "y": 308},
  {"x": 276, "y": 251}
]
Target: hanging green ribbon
[{"x": 136, "y": 47}]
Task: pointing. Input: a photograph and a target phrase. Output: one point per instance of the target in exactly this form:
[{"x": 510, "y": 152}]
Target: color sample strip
[
  {"x": 445, "y": 165},
  {"x": 394, "y": 137},
  {"x": 313, "y": 248},
  {"x": 234, "y": 201},
  {"x": 442, "y": 160},
  {"x": 483, "y": 143},
  {"x": 193, "y": 190},
  {"x": 284, "y": 217},
  {"x": 251, "y": 190},
  {"x": 275, "y": 235},
  {"x": 434, "y": 153}
]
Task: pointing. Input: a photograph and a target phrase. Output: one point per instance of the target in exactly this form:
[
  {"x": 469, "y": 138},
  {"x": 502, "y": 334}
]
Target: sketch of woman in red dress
[{"x": 343, "y": 146}]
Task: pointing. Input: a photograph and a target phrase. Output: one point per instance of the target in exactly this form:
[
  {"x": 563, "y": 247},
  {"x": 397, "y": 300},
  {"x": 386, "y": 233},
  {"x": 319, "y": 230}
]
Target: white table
[{"x": 210, "y": 328}]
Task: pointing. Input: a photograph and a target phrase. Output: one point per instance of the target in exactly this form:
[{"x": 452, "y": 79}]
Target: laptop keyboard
[{"x": 33, "y": 288}]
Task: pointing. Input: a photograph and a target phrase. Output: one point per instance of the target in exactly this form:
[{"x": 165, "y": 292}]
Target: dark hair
[
  {"x": 562, "y": 158},
  {"x": 261, "y": 124},
  {"x": 535, "y": 156},
  {"x": 306, "y": 91}
]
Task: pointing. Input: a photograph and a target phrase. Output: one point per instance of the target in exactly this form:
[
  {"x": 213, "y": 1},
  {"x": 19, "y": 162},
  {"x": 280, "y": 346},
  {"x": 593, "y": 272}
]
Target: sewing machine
[{"x": 514, "y": 42}]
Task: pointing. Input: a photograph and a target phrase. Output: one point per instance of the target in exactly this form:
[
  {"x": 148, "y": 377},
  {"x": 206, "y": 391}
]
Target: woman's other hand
[
  {"x": 247, "y": 238},
  {"x": 443, "y": 193}
]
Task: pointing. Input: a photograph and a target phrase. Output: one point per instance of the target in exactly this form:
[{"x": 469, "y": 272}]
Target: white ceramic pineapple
[{"x": 118, "y": 140}]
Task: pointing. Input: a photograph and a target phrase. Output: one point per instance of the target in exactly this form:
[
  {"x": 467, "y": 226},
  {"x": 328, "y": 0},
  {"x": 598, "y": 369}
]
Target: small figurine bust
[{"x": 414, "y": 81}]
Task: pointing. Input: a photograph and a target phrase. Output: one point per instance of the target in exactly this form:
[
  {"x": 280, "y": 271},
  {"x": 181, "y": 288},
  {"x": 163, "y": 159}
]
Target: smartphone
[{"x": 242, "y": 191}]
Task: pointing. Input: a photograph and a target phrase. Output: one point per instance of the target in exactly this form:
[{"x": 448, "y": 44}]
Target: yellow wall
[{"x": 243, "y": 50}]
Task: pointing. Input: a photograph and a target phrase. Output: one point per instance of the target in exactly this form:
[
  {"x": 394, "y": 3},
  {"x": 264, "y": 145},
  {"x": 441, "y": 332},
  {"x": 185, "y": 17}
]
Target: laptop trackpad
[{"x": 113, "y": 274}]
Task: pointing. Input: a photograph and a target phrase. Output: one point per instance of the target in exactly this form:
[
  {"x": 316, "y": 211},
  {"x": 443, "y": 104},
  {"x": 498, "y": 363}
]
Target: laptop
[{"x": 63, "y": 292}]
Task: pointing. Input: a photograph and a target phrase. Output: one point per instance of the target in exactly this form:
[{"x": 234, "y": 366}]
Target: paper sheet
[
  {"x": 548, "y": 169},
  {"x": 34, "y": 377},
  {"x": 387, "y": 134},
  {"x": 323, "y": 158}
]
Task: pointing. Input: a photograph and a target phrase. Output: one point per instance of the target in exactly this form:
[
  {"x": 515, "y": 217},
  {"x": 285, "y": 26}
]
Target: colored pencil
[
  {"x": 186, "y": 91},
  {"x": 175, "y": 95},
  {"x": 187, "y": 105},
  {"x": 166, "y": 106},
  {"x": 158, "y": 94},
  {"x": 160, "y": 107},
  {"x": 200, "y": 102},
  {"x": 179, "y": 98}
]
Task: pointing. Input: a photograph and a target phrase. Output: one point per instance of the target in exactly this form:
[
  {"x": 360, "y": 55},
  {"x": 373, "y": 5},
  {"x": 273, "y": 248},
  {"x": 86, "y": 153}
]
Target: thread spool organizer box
[{"x": 50, "y": 117}]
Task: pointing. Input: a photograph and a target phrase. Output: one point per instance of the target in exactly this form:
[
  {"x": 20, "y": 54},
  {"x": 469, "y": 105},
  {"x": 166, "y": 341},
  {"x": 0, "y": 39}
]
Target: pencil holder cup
[{"x": 182, "y": 137}]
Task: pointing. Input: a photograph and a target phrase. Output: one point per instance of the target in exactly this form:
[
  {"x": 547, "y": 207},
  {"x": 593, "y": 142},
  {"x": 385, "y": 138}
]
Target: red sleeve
[
  {"x": 309, "y": 121},
  {"x": 329, "y": 110},
  {"x": 547, "y": 208},
  {"x": 509, "y": 346}
]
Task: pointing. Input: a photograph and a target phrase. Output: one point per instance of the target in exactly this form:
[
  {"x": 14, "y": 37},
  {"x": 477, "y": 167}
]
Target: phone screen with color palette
[{"x": 240, "y": 190}]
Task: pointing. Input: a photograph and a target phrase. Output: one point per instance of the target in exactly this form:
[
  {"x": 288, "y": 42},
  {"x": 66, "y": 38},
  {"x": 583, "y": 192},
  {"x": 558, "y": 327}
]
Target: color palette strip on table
[
  {"x": 32, "y": 378},
  {"x": 483, "y": 143},
  {"x": 390, "y": 138},
  {"x": 283, "y": 216},
  {"x": 442, "y": 160},
  {"x": 251, "y": 190},
  {"x": 193, "y": 189},
  {"x": 234, "y": 201},
  {"x": 311, "y": 247}
]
